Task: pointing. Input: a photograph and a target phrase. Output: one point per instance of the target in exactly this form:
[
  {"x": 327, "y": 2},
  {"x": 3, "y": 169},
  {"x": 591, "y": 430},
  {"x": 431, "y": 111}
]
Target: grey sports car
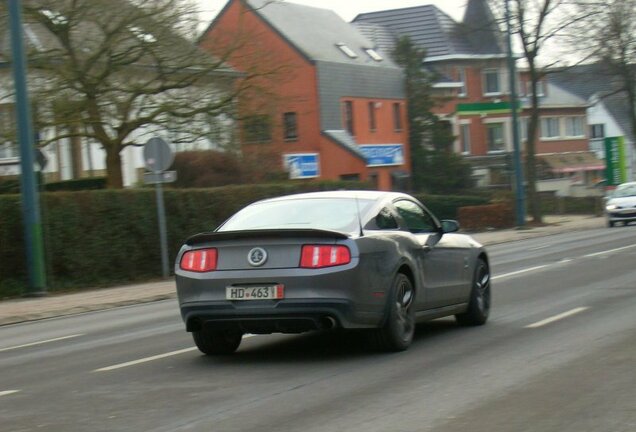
[{"x": 378, "y": 261}]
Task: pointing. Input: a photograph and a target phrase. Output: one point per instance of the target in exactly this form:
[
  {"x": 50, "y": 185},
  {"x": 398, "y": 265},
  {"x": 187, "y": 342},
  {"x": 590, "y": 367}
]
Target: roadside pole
[
  {"x": 158, "y": 157},
  {"x": 30, "y": 200},
  {"x": 520, "y": 206}
]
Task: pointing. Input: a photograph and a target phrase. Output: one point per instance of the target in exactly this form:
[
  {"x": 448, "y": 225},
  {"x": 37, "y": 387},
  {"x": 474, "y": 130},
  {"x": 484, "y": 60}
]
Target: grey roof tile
[
  {"x": 344, "y": 139},
  {"x": 430, "y": 28},
  {"x": 316, "y": 32}
]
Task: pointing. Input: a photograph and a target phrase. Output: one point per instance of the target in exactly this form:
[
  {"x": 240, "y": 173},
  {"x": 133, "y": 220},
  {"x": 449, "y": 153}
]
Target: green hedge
[{"x": 108, "y": 237}]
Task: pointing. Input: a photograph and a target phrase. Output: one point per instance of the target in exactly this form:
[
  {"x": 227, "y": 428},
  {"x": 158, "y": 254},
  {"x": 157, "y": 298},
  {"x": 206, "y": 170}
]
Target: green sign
[
  {"x": 485, "y": 108},
  {"x": 615, "y": 161}
]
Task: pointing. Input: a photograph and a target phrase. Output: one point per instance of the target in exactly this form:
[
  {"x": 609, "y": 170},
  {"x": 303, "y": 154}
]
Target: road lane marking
[
  {"x": 41, "y": 342},
  {"x": 8, "y": 392},
  {"x": 557, "y": 317},
  {"x": 609, "y": 251},
  {"x": 145, "y": 360},
  {"x": 518, "y": 272},
  {"x": 152, "y": 358}
]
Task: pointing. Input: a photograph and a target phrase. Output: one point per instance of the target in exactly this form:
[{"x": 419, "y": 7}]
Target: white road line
[
  {"x": 144, "y": 360},
  {"x": 515, "y": 273},
  {"x": 609, "y": 251},
  {"x": 8, "y": 392},
  {"x": 41, "y": 342},
  {"x": 557, "y": 317},
  {"x": 155, "y": 357}
]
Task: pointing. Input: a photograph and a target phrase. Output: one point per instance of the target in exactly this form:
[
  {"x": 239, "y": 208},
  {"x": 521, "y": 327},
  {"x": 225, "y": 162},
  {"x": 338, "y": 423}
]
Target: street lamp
[{"x": 520, "y": 209}]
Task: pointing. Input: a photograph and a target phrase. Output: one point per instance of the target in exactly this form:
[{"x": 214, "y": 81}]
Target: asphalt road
[{"x": 559, "y": 354}]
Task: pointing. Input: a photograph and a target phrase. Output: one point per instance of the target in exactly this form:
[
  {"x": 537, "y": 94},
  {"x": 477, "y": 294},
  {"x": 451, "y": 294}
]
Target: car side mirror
[{"x": 450, "y": 226}]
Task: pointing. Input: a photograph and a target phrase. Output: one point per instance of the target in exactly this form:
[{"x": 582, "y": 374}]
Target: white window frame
[
  {"x": 464, "y": 137},
  {"x": 544, "y": 130},
  {"x": 581, "y": 129},
  {"x": 461, "y": 77},
  {"x": 485, "y": 74},
  {"x": 502, "y": 124},
  {"x": 540, "y": 88}
]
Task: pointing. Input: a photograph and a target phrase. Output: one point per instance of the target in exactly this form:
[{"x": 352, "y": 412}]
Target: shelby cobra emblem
[{"x": 257, "y": 257}]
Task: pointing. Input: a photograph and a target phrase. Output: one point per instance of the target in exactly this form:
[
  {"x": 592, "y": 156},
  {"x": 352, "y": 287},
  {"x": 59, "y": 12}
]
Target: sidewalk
[{"x": 30, "y": 309}]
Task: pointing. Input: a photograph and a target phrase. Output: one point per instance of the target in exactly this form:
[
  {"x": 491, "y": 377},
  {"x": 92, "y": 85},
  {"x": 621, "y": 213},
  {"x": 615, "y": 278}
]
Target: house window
[
  {"x": 491, "y": 82},
  {"x": 397, "y": 117},
  {"x": 257, "y": 129},
  {"x": 372, "y": 120},
  {"x": 348, "y": 117},
  {"x": 597, "y": 131},
  {"x": 495, "y": 133},
  {"x": 465, "y": 138},
  {"x": 550, "y": 128},
  {"x": 524, "y": 124},
  {"x": 290, "y": 125},
  {"x": 8, "y": 143},
  {"x": 574, "y": 127},
  {"x": 461, "y": 77}
]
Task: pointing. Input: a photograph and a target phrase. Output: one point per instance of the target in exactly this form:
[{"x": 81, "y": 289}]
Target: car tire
[
  {"x": 610, "y": 224},
  {"x": 480, "y": 298},
  {"x": 217, "y": 342},
  {"x": 397, "y": 332}
]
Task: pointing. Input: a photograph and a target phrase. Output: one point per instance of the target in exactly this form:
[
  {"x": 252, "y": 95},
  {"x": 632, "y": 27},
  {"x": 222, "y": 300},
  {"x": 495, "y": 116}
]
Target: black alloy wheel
[
  {"x": 399, "y": 328},
  {"x": 480, "y": 298}
]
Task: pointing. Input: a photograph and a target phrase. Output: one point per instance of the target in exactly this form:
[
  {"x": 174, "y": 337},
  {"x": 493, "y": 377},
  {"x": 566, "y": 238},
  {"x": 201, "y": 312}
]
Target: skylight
[
  {"x": 373, "y": 54},
  {"x": 348, "y": 51}
]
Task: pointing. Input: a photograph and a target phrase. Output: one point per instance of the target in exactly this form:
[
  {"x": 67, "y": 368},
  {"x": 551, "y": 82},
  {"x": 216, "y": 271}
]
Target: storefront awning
[{"x": 572, "y": 162}]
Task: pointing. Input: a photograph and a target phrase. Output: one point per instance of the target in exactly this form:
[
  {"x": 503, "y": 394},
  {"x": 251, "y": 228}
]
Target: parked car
[
  {"x": 378, "y": 261},
  {"x": 620, "y": 205}
]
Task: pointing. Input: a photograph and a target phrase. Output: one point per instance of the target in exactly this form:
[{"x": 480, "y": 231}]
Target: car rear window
[{"x": 335, "y": 214}]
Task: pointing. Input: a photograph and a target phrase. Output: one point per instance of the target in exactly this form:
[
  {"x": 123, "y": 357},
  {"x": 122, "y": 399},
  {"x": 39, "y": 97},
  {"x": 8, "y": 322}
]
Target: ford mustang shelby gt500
[{"x": 378, "y": 261}]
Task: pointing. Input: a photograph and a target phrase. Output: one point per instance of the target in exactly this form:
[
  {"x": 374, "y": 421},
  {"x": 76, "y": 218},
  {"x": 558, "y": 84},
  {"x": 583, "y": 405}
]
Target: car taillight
[
  {"x": 317, "y": 256},
  {"x": 200, "y": 260}
]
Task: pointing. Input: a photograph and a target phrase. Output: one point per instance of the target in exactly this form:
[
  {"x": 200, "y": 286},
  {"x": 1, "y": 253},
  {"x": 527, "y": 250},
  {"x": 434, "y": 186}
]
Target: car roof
[{"x": 342, "y": 194}]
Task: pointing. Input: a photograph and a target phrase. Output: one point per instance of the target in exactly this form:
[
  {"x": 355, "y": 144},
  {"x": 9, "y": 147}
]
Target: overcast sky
[{"x": 348, "y": 9}]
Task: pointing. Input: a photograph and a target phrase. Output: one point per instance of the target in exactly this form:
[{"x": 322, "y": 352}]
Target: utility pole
[
  {"x": 520, "y": 206},
  {"x": 30, "y": 200}
]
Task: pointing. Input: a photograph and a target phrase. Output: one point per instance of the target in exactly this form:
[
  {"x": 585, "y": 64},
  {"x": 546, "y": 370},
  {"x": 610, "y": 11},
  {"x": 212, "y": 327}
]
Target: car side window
[
  {"x": 416, "y": 219},
  {"x": 385, "y": 220}
]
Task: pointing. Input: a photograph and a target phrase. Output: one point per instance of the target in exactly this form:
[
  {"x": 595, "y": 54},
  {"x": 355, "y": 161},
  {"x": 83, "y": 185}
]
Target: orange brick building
[{"x": 321, "y": 99}]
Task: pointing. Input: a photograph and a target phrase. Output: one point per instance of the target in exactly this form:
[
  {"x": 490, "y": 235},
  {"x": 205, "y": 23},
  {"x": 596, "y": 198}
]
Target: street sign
[
  {"x": 383, "y": 154},
  {"x": 615, "y": 161},
  {"x": 158, "y": 155},
  {"x": 302, "y": 165},
  {"x": 160, "y": 177}
]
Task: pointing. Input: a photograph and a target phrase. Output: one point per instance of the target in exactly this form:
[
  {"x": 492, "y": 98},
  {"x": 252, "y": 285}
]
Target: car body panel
[
  {"x": 440, "y": 266},
  {"x": 621, "y": 205}
]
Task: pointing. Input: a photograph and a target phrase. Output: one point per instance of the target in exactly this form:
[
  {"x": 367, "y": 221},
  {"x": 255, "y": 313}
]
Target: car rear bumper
[{"x": 278, "y": 316}]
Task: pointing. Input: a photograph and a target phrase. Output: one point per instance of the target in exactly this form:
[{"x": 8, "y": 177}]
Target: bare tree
[
  {"x": 537, "y": 24},
  {"x": 114, "y": 71},
  {"x": 608, "y": 38}
]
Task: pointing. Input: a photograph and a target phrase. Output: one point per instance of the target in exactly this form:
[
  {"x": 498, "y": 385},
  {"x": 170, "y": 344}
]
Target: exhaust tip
[{"x": 328, "y": 323}]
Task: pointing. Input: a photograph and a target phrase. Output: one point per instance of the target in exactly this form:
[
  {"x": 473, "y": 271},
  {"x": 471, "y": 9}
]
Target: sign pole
[
  {"x": 30, "y": 201},
  {"x": 163, "y": 236}
]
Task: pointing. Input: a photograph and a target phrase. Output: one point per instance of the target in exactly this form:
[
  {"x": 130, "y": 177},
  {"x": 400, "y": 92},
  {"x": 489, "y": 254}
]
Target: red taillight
[
  {"x": 317, "y": 256},
  {"x": 200, "y": 260}
]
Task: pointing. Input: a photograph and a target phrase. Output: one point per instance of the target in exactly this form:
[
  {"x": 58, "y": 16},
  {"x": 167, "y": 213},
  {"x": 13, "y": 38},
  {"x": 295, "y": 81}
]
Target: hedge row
[
  {"x": 497, "y": 216},
  {"x": 99, "y": 238}
]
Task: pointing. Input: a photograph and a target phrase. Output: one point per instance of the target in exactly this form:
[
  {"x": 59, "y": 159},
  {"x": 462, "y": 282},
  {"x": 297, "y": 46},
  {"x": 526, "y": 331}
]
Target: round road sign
[{"x": 158, "y": 155}]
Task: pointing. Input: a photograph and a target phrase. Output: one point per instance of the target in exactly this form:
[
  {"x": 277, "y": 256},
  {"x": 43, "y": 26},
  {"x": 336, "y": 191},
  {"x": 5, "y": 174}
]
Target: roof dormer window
[
  {"x": 348, "y": 51},
  {"x": 373, "y": 54}
]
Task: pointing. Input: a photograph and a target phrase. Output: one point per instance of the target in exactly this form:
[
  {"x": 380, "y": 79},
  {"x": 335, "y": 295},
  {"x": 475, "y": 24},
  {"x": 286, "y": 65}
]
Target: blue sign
[
  {"x": 302, "y": 165},
  {"x": 383, "y": 154}
]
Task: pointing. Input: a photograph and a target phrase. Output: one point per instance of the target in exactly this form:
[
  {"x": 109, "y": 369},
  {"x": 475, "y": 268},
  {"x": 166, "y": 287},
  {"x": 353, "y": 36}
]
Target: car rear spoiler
[{"x": 269, "y": 233}]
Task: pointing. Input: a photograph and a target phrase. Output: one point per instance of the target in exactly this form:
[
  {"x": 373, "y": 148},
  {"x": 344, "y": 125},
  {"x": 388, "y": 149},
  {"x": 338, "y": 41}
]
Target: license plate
[{"x": 267, "y": 292}]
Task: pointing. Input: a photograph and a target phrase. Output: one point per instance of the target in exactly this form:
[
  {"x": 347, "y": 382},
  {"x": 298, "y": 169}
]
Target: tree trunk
[
  {"x": 114, "y": 176},
  {"x": 531, "y": 164}
]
